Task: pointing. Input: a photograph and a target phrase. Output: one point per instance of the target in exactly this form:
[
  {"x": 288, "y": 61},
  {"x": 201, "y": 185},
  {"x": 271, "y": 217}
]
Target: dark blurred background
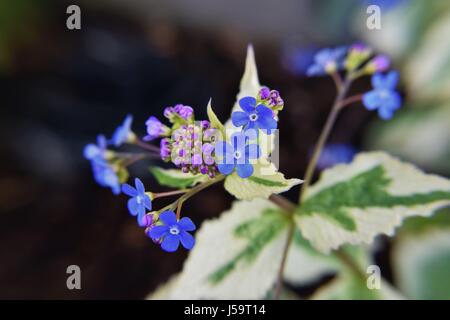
[{"x": 60, "y": 88}]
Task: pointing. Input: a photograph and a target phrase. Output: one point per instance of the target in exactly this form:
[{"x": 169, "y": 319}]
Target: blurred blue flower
[
  {"x": 236, "y": 155},
  {"x": 139, "y": 201},
  {"x": 327, "y": 61},
  {"x": 123, "y": 132},
  {"x": 383, "y": 97},
  {"x": 297, "y": 60},
  {"x": 253, "y": 116},
  {"x": 172, "y": 232},
  {"x": 105, "y": 175},
  {"x": 333, "y": 154},
  {"x": 96, "y": 152}
]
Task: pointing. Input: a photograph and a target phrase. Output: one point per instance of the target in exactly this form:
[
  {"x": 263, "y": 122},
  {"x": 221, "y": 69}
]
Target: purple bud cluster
[
  {"x": 271, "y": 98},
  {"x": 191, "y": 148},
  {"x": 179, "y": 111}
]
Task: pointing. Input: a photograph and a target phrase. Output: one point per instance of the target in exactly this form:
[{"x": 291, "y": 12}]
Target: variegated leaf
[{"x": 353, "y": 203}]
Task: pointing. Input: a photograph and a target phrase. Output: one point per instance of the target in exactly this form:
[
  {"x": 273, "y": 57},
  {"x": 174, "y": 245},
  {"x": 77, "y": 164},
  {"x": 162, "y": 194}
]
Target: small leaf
[
  {"x": 236, "y": 256},
  {"x": 264, "y": 182},
  {"x": 176, "y": 178},
  {"x": 215, "y": 122},
  {"x": 353, "y": 203}
]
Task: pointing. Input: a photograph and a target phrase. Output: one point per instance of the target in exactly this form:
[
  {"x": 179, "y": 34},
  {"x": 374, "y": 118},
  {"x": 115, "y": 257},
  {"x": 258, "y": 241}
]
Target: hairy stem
[
  {"x": 342, "y": 91},
  {"x": 289, "y": 208},
  {"x": 193, "y": 191},
  {"x": 169, "y": 193},
  {"x": 350, "y": 100},
  {"x": 146, "y": 146},
  {"x": 350, "y": 263}
]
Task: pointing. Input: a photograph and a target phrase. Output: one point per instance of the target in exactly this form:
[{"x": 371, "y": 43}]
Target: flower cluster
[
  {"x": 258, "y": 113},
  {"x": 358, "y": 60}
]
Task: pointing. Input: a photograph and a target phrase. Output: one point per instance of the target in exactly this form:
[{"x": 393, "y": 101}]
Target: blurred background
[{"x": 60, "y": 88}]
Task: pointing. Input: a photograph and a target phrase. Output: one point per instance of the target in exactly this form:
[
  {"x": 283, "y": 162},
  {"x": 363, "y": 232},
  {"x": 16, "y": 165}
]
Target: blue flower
[
  {"x": 105, "y": 175},
  {"x": 383, "y": 97},
  {"x": 327, "y": 61},
  {"x": 139, "y": 200},
  {"x": 236, "y": 155},
  {"x": 172, "y": 232},
  {"x": 123, "y": 132},
  {"x": 96, "y": 152},
  {"x": 333, "y": 154},
  {"x": 254, "y": 116}
]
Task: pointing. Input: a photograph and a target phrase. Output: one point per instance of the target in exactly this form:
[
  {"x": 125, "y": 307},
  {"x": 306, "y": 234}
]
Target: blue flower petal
[
  {"x": 248, "y": 104},
  {"x": 391, "y": 80},
  {"x": 244, "y": 170},
  {"x": 238, "y": 142},
  {"x": 225, "y": 168},
  {"x": 140, "y": 219},
  {"x": 385, "y": 113},
  {"x": 139, "y": 186},
  {"x": 239, "y": 118},
  {"x": 187, "y": 240},
  {"x": 129, "y": 190},
  {"x": 267, "y": 123},
  {"x": 186, "y": 224},
  {"x": 371, "y": 100},
  {"x": 168, "y": 218},
  {"x": 91, "y": 151},
  {"x": 170, "y": 243},
  {"x": 264, "y": 112},
  {"x": 395, "y": 101},
  {"x": 101, "y": 142},
  {"x": 158, "y": 232},
  {"x": 133, "y": 206},
  {"x": 115, "y": 189},
  {"x": 223, "y": 149},
  {"x": 323, "y": 56},
  {"x": 377, "y": 80},
  {"x": 252, "y": 151},
  {"x": 147, "y": 202},
  {"x": 315, "y": 70}
]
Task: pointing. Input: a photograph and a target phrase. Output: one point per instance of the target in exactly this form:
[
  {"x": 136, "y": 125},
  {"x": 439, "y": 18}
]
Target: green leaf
[
  {"x": 348, "y": 287},
  {"x": 266, "y": 180},
  {"x": 236, "y": 256},
  {"x": 421, "y": 264},
  {"x": 175, "y": 178},
  {"x": 215, "y": 122},
  {"x": 305, "y": 264},
  {"x": 372, "y": 195}
]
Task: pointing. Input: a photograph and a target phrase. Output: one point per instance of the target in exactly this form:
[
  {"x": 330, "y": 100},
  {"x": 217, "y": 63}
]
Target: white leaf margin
[{"x": 326, "y": 235}]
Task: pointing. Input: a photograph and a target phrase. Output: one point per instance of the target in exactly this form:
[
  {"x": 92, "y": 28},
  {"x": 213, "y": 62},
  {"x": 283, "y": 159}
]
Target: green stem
[
  {"x": 342, "y": 91},
  {"x": 146, "y": 146},
  {"x": 191, "y": 192},
  {"x": 289, "y": 208},
  {"x": 290, "y": 237},
  {"x": 169, "y": 193}
]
